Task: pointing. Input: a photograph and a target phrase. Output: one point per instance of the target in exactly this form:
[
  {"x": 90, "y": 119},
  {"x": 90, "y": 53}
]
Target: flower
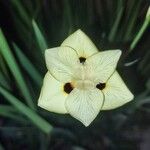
[{"x": 82, "y": 81}]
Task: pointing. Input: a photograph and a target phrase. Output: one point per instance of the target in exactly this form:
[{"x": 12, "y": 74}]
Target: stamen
[
  {"x": 101, "y": 86},
  {"x": 82, "y": 59},
  {"x": 68, "y": 88}
]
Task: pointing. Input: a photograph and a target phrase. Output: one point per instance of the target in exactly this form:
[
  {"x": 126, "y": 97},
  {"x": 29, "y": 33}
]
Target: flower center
[{"x": 84, "y": 84}]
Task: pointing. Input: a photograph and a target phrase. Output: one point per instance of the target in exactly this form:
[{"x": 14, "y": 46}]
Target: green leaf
[
  {"x": 3, "y": 67},
  {"x": 28, "y": 66},
  {"x": 7, "y": 108},
  {"x": 11, "y": 112},
  {"x": 67, "y": 17},
  {"x": 3, "y": 82},
  {"x": 114, "y": 28},
  {"x": 29, "y": 113},
  {"x": 132, "y": 20},
  {"x": 140, "y": 33},
  {"x": 14, "y": 68},
  {"x": 1, "y": 147},
  {"x": 21, "y": 11},
  {"x": 39, "y": 37}
]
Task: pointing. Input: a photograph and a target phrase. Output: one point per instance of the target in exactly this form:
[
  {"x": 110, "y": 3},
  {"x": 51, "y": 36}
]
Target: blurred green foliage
[{"x": 27, "y": 28}]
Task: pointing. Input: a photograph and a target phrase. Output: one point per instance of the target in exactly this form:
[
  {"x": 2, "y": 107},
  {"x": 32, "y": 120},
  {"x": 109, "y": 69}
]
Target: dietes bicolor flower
[{"x": 81, "y": 80}]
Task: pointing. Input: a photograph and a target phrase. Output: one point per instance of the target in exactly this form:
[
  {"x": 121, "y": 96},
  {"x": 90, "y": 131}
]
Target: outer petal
[
  {"x": 62, "y": 62},
  {"x": 81, "y": 43},
  {"x": 116, "y": 93},
  {"x": 84, "y": 105},
  {"x": 52, "y": 96},
  {"x": 102, "y": 65}
]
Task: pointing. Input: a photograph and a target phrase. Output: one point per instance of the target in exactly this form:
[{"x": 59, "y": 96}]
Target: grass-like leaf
[
  {"x": 3, "y": 67},
  {"x": 1, "y": 147},
  {"x": 3, "y": 81},
  {"x": 67, "y": 16},
  {"x": 7, "y": 107},
  {"x": 113, "y": 31},
  {"x": 10, "y": 112},
  {"x": 28, "y": 66},
  {"x": 14, "y": 68},
  {"x": 140, "y": 33},
  {"x": 21, "y": 11},
  {"x": 29, "y": 113},
  {"x": 132, "y": 20},
  {"x": 39, "y": 37}
]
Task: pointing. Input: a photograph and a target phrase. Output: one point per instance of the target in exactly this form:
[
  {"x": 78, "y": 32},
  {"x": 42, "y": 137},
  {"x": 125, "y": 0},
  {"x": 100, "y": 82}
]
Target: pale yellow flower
[{"x": 81, "y": 80}]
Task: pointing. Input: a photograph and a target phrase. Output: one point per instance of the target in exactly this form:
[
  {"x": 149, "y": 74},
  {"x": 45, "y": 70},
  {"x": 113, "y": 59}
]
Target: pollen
[
  {"x": 101, "y": 86},
  {"x": 68, "y": 88}
]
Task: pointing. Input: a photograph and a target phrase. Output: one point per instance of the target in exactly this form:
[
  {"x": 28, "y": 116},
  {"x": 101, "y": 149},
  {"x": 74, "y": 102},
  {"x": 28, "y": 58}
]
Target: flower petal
[
  {"x": 101, "y": 65},
  {"x": 81, "y": 43},
  {"x": 62, "y": 62},
  {"x": 52, "y": 96},
  {"x": 116, "y": 93},
  {"x": 84, "y": 105}
]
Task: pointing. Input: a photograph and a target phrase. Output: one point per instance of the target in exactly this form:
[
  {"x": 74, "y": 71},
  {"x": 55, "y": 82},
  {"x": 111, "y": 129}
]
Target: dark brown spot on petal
[
  {"x": 101, "y": 86},
  {"x": 82, "y": 59},
  {"x": 68, "y": 88}
]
